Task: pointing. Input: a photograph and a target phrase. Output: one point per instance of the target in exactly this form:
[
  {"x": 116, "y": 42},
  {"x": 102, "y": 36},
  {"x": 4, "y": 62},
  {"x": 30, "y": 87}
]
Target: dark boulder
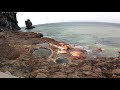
[
  {"x": 29, "y": 24},
  {"x": 39, "y": 35},
  {"x": 9, "y": 21}
]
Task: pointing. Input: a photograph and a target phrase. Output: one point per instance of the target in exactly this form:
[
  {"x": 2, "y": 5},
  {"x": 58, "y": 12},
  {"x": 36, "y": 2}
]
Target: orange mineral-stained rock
[
  {"x": 62, "y": 49},
  {"x": 63, "y": 46},
  {"x": 77, "y": 54},
  {"x": 61, "y": 52}
]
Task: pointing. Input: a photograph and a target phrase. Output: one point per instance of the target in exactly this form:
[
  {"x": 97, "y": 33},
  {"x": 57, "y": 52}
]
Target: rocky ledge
[{"x": 17, "y": 58}]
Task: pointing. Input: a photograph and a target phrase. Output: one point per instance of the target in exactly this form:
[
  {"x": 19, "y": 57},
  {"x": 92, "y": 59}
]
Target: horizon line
[{"x": 76, "y": 22}]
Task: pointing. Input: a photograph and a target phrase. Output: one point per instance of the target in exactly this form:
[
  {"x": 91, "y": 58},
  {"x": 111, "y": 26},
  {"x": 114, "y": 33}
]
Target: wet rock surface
[
  {"x": 61, "y": 60},
  {"x": 16, "y": 57},
  {"x": 42, "y": 52}
]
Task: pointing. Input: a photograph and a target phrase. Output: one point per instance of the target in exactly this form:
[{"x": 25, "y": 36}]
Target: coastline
[{"x": 16, "y": 57}]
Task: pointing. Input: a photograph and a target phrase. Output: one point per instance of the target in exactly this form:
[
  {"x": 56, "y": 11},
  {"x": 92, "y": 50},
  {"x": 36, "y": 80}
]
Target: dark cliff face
[{"x": 9, "y": 21}]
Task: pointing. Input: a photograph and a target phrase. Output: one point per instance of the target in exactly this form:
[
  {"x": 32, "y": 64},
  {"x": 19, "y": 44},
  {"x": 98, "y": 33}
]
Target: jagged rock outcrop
[
  {"x": 29, "y": 24},
  {"x": 8, "y": 21}
]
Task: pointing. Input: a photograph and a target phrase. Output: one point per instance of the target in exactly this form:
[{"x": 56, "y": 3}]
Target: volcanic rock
[{"x": 9, "y": 21}]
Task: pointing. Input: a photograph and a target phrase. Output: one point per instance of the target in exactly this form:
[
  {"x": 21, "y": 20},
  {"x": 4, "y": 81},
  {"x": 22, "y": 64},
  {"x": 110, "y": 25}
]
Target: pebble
[
  {"x": 86, "y": 67},
  {"x": 87, "y": 72},
  {"x": 98, "y": 70},
  {"x": 41, "y": 75},
  {"x": 116, "y": 71}
]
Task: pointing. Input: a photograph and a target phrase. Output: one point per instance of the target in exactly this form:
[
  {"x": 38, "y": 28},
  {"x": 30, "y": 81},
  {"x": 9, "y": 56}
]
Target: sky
[{"x": 52, "y": 17}]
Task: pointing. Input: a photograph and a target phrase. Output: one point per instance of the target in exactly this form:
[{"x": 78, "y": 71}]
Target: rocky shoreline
[{"x": 17, "y": 58}]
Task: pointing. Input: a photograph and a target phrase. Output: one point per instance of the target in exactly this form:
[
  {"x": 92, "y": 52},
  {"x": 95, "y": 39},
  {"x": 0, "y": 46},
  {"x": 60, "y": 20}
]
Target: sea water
[{"x": 88, "y": 35}]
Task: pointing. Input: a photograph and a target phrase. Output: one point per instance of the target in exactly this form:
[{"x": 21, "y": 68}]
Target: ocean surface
[{"x": 87, "y": 35}]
